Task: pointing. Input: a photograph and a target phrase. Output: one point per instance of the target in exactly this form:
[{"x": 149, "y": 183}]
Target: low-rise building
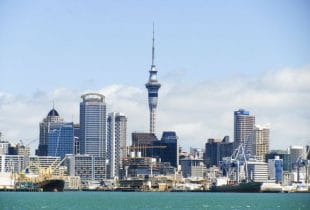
[
  {"x": 257, "y": 171},
  {"x": 87, "y": 167},
  {"x": 12, "y": 163},
  {"x": 72, "y": 182},
  {"x": 145, "y": 167},
  {"x": 192, "y": 167},
  {"x": 4, "y": 147}
]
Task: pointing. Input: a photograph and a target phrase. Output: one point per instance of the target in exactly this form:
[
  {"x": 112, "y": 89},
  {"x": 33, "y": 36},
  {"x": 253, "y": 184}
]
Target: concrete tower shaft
[{"x": 153, "y": 86}]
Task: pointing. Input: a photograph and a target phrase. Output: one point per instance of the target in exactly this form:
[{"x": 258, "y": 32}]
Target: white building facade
[{"x": 116, "y": 142}]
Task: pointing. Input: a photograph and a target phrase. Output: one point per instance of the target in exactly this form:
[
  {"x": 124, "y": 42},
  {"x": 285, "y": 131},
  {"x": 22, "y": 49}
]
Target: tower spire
[{"x": 153, "y": 47}]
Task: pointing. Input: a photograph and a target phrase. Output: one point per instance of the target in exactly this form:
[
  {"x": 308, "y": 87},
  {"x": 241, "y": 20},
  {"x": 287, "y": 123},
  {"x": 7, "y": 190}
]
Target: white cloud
[{"x": 195, "y": 112}]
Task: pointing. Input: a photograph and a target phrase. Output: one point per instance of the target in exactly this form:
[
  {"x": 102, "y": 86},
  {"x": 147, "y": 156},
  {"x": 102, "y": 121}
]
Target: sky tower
[{"x": 152, "y": 87}]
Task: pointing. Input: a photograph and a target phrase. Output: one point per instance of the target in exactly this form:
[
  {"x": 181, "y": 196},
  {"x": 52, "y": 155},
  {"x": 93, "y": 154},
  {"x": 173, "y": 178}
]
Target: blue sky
[
  {"x": 90, "y": 44},
  {"x": 213, "y": 57}
]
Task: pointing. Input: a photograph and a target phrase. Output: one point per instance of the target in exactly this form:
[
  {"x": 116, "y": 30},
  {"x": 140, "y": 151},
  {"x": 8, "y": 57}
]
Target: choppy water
[{"x": 151, "y": 200}]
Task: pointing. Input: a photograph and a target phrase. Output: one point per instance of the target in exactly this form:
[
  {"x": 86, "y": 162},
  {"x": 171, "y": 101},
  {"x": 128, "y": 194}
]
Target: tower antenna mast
[{"x": 153, "y": 46}]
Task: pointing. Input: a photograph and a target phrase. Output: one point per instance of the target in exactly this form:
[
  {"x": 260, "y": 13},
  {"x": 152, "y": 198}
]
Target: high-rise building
[
  {"x": 144, "y": 141},
  {"x": 165, "y": 150},
  {"x": 243, "y": 129},
  {"x": 217, "y": 149},
  {"x": 169, "y": 151},
  {"x": 116, "y": 142},
  {"x": 52, "y": 119},
  {"x": 93, "y": 125},
  {"x": 61, "y": 140},
  {"x": 76, "y": 138},
  {"x": 153, "y": 86},
  {"x": 275, "y": 169},
  {"x": 260, "y": 141}
]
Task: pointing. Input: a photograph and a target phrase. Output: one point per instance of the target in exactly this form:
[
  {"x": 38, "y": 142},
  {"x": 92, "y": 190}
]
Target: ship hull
[
  {"x": 242, "y": 187},
  {"x": 52, "y": 185}
]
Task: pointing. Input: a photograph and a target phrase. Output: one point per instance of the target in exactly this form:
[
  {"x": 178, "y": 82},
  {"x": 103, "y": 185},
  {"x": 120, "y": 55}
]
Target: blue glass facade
[
  {"x": 284, "y": 155},
  {"x": 278, "y": 170},
  {"x": 61, "y": 140},
  {"x": 170, "y": 154}
]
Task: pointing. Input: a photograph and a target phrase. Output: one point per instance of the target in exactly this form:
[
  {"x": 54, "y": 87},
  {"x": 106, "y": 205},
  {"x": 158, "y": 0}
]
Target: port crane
[
  {"x": 44, "y": 173},
  {"x": 235, "y": 164},
  {"x": 302, "y": 161}
]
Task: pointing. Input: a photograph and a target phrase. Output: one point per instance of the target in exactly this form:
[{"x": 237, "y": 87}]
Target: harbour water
[{"x": 151, "y": 200}]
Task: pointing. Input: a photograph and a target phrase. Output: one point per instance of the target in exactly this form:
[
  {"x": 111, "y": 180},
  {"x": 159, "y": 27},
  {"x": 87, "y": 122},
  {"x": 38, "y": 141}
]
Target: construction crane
[
  {"x": 145, "y": 147},
  {"x": 303, "y": 162},
  {"x": 28, "y": 143}
]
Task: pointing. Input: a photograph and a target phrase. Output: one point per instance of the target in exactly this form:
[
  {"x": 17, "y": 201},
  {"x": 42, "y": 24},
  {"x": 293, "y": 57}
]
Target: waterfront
[{"x": 151, "y": 200}]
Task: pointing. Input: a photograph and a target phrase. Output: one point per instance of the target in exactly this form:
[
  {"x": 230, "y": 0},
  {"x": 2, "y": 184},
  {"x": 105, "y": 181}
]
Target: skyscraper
[
  {"x": 170, "y": 151},
  {"x": 216, "y": 149},
  {"x": 51, "y": 120},
  {"x": 152, "y": 87},
  {"x": 116, "y": 142},
  {"x": 93, "y": 125},
  {"x": 76, "y": 139},
  {"x": 260, "y": 146},
  {"x": 243, "y": 129}
]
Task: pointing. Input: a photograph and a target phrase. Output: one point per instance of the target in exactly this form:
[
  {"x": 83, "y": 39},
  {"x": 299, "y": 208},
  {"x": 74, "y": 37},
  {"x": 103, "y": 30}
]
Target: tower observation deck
[{"x": 152, "y": 87}]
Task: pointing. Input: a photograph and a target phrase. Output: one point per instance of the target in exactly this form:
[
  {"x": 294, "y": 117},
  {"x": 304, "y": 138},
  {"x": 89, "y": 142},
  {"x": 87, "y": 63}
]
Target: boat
[
  {"x": 51, "y": 185},
  {"x": 242, "y": 187},
  {"x": 271, "y": 187}
]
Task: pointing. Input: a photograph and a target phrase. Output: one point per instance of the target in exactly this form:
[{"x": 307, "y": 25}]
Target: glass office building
[
  {"x": 61, "y": 140},
  {"x": 170, "y": 153},
  {"x": 93, "y": 125},
  {"x": 52, "y": 118}
]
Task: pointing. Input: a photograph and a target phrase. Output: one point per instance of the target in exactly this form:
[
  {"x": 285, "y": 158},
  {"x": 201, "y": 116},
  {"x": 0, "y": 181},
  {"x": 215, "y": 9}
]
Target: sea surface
[{"x": 152, "y": 200}]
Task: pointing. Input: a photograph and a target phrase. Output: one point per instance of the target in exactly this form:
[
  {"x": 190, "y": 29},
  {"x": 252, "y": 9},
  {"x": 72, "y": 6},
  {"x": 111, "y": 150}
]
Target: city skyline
[{"x": 201, "y": 84}]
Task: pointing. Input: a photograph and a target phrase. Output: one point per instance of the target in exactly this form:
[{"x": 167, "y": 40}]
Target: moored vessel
[
  {"x": 242, "y": 187},
  {"x": 51, "y": 185}
]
